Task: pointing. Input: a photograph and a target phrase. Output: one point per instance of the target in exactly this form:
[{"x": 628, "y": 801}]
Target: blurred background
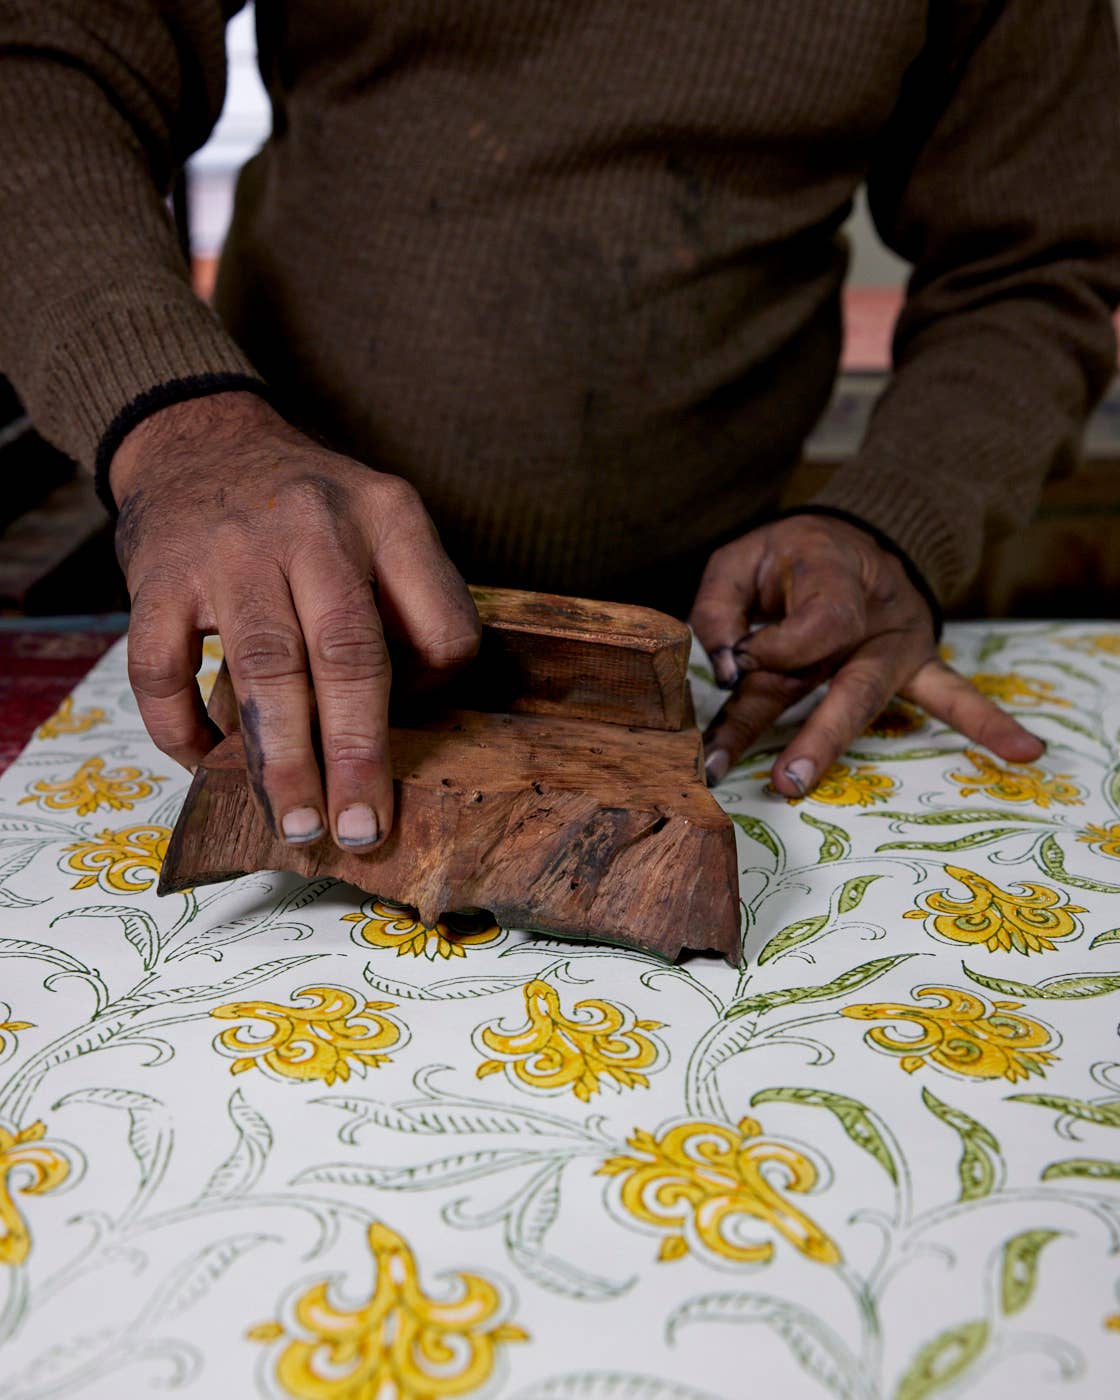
[{"x": 55, "y": 542}]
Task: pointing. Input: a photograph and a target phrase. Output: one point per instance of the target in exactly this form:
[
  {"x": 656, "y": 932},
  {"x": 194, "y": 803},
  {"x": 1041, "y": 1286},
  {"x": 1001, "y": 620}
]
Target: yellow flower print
[
  {"x": 843, "y": 786},
  {"x": 1108, "y": 643},
  {"x": 124, "y": 861},
  {"x": 1012, "y": 689},
  {"x": 552, "y": 1051},
  {"x": 31, "y": 1167},
  {"x": 332, "y": 1032},
  {"x": 67, "y": 720},
  {"x": 212, "y": 651},
  {"x": 384, "y": 925},
  {"x": 961, "y": 1034},
  {"x": 94, "y": 786},
  {"x": 1021, "y": 783},
  {"x": 1001, "y": 920},
  {"x": 899, "y": 719},
  {"x": 1105, "y": 838},
  {"x": 400, "y": 1344},
  {"x": 702, "y": 1182},
  {"x": 8, "y": 1029}
]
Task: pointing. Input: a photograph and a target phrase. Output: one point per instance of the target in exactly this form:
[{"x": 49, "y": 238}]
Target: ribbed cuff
[
  {"x": 197, "y": 386},
  {"x": 113, "y": 347},
  {"x": 884, "y": 541}
]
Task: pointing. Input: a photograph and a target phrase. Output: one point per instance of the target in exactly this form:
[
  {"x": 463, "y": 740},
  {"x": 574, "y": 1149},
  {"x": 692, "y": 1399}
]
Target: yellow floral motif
[
  {"x": 1106, "y": 642},
  {"x": 1000, "y": 919},
  {"x": 94, "y": 786},
  {"x": 323, "y": 1039},
  {"x": 211, "y": 651},
  {"x": 401, "y": 1344},
  {"x": 702, "y": 1182},
  {"x": 9, "y": 1028},
  {"x": 961, "y": 1034},
  {"x": 1022, "y": 783},
  {"x": 899, "y": 719},
  {"x": 842, "y": 786},
  {"x": 385, "y": 925},
  {"x": 1012, "y": 689},
  {"x": 1105, "y": 838},
  {"x": 31, "y": 1167},
  {"x": 66, "y": 720},
  {"x": 553, "y": 1051},
  {"x": 125, "y": 861}
]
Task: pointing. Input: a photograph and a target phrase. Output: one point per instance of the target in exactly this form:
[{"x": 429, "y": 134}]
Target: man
[{"x": 563, "y": 277}]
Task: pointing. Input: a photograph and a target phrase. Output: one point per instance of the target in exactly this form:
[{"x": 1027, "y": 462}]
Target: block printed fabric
[{"x": 272, "y": 1138}]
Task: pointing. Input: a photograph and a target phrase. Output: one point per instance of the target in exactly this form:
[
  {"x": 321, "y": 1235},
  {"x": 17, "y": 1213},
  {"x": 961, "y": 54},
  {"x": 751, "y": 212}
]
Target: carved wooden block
[{"x": 558, "y": 784}]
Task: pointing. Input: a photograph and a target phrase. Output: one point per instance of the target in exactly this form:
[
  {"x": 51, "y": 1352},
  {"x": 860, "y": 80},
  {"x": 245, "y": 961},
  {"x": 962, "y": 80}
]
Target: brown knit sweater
[{"x": 573, "y": 266}]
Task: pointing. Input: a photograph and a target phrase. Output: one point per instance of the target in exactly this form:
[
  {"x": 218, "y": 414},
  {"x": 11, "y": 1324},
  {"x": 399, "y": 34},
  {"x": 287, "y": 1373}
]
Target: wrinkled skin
[
  {"x": 826, "y": 602},
  {"x": 307, "y": 564}
]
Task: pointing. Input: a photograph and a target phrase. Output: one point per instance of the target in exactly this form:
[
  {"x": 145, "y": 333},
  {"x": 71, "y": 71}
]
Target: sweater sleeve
[
  {"x": 100, "y": 102},
  {"x": 999, "y": 180}
]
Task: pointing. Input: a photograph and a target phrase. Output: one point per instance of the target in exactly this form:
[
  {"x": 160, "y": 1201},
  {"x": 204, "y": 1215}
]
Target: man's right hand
[{"x": 233, "y": 522}]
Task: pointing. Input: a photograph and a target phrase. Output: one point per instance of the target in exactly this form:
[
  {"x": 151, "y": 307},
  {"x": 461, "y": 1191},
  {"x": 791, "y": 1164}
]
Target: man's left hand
[{"x": 810, "y": 599}]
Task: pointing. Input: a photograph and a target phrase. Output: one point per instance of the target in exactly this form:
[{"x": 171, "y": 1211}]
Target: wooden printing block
[{"x": 558, "y": 782}]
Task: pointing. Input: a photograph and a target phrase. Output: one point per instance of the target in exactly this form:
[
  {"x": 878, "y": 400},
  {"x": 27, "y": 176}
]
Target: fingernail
[
  {"x": 726, "y": 671},
  {"x": 357, "y": 826},
  {"x": 802, "y": 773},
  {"x": 301, "y": 826},
  {"x": 717, "y": 765}
]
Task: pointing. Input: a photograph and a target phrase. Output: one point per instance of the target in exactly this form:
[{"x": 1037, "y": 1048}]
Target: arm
[
  {"x": 230, "y": 520},
  {"x": 100, "y": 103},
  {"x": 999, "y": 179}
]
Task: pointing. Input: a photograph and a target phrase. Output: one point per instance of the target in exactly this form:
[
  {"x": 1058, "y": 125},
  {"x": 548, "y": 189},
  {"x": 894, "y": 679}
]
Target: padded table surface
[{"x": 273, "y": 1138}]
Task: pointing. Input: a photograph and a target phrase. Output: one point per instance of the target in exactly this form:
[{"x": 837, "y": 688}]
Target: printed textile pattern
[{"x": 273, "y": 1138}]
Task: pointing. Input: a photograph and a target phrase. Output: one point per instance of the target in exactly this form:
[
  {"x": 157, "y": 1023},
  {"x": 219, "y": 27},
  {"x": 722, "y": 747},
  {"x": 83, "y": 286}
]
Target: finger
[
  {"x": 721, "y": 610},
  {"x": 941, "y": 692},
  {"x": 422, "y": 599},
  {"x": 756, "y": 704},
  {"x": 264, "y": 649},
  {"x": 825, "y": 617},
  {"x": 857, "y": 693},
  {"x": 351, "y": 671},
  {"x": 164, "y": 655}
]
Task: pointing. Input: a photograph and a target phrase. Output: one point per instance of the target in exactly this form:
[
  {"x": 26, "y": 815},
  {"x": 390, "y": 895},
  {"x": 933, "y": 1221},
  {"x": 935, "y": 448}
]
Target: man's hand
[
  {"x": 834, "y": 606},
  {"x": 233, "y": 522}
]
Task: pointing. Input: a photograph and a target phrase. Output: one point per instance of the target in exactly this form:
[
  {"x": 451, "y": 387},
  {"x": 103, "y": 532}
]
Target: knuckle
[
  {"x": 449, "y": 653},
  {"x": 155, "y": 676},
  {"x": 344, "y": 646},
  {"x": 398, "y": 499},
  {"x": 350, "y": 748},
  {"x": 267, "y": 653}
]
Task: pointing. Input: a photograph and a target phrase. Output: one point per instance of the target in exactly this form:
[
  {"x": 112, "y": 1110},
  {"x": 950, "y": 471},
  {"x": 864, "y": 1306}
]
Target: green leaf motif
[
  {"x": 962, "y": 843},
  {"x": 902, "y": 756},
  {"x": 835, "y": 843},
  {"x": 792, "y": 936},
  {"x": 1078, "y": 987},
  {"x": 140, "y": 928},
  {"x": 991, "y": 646},
  {"x": 1019, "y": 1268},
  {"x": 1090, "y": 1168},
  {"x": 943, "y": 1360},
  {"x": 853, "y": 1116},
  {"x": 958, "y": 816},
  {"x": 851, "y": 896},
  {"x": 760, "y": 831},
  {"x": 849, "y": 981},
  {"x": 816, "y": 1348},
  {"x": 981, "y": 1164},
  {"x": 1054, "y": 863},
  {"x": 1112, "y": 936},
  {"x": 1112, "y": 788},
  {"x": 1104, "y": 1115}
]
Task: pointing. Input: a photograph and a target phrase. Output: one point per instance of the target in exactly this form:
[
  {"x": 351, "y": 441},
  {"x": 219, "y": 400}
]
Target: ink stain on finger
[{"x": 254, "y": 758}]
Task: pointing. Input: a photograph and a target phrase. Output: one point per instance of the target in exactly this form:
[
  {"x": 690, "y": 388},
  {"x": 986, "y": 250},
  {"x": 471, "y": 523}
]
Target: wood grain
[{"x": 534, "y": 804}]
